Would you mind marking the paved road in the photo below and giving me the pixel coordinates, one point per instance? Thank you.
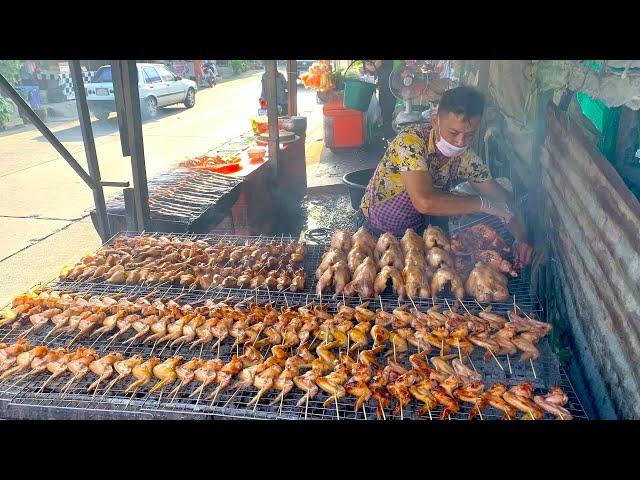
(43, 198)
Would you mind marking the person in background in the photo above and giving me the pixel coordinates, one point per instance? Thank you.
(281, 91)
(383, 69)
(425, 162)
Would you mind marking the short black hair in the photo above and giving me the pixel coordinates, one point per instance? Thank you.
(467, 101)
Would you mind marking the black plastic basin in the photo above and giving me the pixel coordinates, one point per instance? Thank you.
(357, 183)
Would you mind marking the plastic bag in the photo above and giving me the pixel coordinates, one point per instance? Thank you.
(374, 112)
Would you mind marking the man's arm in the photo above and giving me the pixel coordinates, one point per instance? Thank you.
(429, 200)
(494, 191)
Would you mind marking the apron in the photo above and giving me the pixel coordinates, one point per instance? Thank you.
(397, 214)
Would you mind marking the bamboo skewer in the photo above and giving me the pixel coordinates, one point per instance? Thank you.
(335, 397)
(532, 368)
(471, 361)
(479, 411)
(494, 357)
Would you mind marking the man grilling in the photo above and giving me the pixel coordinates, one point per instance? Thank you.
(425, 162)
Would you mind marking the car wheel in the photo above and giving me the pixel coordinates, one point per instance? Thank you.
(150, 107)
(101, 114)
(190, 99)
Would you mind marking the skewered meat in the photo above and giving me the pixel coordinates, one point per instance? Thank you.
(363, 279)
(435, 236)
(341, 240)
(143, 373)
(103, 368)
(465, 373)
(436, 257)
(392, 257)
(385, 274)
(412, 242)
(24, 360)
(363, 240)
(341, 277)
(333, 383)
(443, 276)
(166, 372)
(447, 401)
(9, 353)
(387, 240)
(330, 258)
(486, 284)
(529, 325)
(415, 259)
(520, 398)
(529, 350)
(416, 284)
(356, 256)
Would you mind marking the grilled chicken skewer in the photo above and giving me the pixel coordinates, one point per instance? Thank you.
(103, 368)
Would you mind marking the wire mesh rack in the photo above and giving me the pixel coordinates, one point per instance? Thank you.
(21, 396)
(310, 263)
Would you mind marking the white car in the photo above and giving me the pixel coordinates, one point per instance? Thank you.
(158, 87)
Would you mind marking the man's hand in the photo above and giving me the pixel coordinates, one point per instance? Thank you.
(496, 208)
(521, 254)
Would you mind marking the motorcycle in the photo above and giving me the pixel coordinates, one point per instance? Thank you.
(209, 75)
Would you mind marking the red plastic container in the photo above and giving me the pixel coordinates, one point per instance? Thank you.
(343, 127)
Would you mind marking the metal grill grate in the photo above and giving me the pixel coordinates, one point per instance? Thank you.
(236, 404)
(311, 261)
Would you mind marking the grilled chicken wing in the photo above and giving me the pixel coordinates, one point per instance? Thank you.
(143, 373)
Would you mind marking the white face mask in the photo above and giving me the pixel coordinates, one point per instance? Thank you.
(447, 149)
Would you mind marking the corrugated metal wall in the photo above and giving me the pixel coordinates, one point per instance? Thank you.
(593, 222)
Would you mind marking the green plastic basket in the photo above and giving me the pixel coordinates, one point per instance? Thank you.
(357, 94)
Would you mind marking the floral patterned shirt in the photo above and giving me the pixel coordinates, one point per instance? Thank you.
(414, 149)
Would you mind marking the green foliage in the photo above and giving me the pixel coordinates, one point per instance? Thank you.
(10, 69)
(238, 66)
(5, 110)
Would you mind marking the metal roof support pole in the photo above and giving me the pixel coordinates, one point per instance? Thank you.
(292, 77)
(90, 150)
(127, 75)
(272, 114)
(46, 133)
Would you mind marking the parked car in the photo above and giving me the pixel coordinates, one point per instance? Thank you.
(157, 86)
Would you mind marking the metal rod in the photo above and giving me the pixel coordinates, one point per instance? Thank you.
(90, 150)
(44, 130)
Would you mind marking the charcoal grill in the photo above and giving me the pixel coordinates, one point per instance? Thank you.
(21, 400)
